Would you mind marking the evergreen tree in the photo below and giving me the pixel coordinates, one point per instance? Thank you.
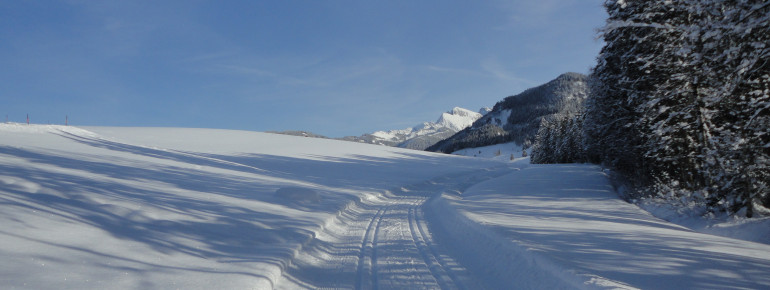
(681, 99)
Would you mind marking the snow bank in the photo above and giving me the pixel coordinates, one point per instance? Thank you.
(695, 217)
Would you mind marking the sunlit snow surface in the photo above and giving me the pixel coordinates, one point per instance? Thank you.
(566, 221)
(144, 208)
(177, 208)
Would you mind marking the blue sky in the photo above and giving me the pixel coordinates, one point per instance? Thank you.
(331, 67)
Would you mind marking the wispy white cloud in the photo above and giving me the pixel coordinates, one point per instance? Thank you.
(494, 68)
(324, 70)
(524, 13)
(347, 64)
(453, 70)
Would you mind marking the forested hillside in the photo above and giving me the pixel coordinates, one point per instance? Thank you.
(517, 118)
(680, 103)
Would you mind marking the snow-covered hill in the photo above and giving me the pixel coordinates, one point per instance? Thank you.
(160, 208)
(423, 135)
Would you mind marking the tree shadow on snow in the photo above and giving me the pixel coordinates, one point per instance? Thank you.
(175, 208)
(548, 211)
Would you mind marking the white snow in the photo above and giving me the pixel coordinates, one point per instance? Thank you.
(149, 208)
(564, 222)
(695, 217)
(501, 152)
(394, 135)
(177, 208)
(456, 120)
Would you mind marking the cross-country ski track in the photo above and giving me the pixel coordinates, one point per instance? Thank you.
(385, 243)
(167, 208)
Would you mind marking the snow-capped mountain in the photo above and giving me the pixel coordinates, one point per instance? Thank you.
(423, 135)
(517, 118)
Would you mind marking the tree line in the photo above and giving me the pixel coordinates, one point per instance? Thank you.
(679, 102)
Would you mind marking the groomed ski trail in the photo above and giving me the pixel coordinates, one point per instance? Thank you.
(395, 247)
(384, 242)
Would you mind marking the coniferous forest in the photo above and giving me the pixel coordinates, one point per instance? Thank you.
(679, 104)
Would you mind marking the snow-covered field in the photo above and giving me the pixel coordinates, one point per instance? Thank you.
(118, 208)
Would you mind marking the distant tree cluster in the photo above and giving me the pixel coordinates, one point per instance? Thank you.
(472, 137)
(559, 140)
(681, 101)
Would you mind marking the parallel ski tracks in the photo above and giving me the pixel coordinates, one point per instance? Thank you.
(385, 242)
(367, 258)
(438, 265)
(368, 272)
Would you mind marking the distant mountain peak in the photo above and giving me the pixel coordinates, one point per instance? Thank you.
(458, 118)
(422, 135)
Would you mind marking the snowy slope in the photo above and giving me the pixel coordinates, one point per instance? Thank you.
(178, 208)
(159, 208)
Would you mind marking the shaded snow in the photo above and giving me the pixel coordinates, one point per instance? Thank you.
(298, 194)
(695, 217)
(150, 208)
(177, 208)
(565, 222)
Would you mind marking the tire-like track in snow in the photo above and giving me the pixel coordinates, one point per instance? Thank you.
(367, 257)
(437, 264)
(383, 242)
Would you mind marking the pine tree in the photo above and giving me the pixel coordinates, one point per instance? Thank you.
(617, 86)
(681, 98)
